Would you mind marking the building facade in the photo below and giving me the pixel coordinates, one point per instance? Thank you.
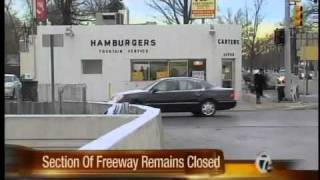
(110, 59)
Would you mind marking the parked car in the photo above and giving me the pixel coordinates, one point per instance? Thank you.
(181, 94)
(271, 80)
(12, 86)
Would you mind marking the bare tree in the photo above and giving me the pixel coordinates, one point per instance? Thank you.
(251, 27)
(68, 12)
(13, 29)
(172, 11)
(12, 19)
(250, 22)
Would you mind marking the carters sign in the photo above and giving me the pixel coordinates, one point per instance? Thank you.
(229, 41)
(115, 46)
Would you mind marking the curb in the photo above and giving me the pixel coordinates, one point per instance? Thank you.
(307, 107)
(283, 108)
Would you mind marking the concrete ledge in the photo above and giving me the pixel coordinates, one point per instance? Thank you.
(144, 132)
(140, 130)
(59, 131)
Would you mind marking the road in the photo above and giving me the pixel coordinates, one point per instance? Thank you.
(284, 135)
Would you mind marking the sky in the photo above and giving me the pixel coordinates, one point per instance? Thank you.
(273, 12)
(273, 9)
(140, 12)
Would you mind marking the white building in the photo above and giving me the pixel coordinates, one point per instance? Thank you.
(113, 58)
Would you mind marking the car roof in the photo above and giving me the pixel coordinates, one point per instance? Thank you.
(177, 78)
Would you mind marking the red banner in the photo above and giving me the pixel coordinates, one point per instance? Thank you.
(42, 12)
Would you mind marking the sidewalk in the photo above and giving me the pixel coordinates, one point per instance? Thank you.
(269, 102)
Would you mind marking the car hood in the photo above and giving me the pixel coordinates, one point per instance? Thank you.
(131, 92)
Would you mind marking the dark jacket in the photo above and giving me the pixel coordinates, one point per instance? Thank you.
(259, 81)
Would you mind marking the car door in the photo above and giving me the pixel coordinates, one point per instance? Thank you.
(190, 93)
(163, 95)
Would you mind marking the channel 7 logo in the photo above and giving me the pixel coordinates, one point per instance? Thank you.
(264, 163)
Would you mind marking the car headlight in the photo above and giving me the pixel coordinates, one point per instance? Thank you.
(117, 98)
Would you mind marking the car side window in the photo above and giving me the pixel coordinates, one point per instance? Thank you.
(183, 85)
(167, 85)
(192, 85)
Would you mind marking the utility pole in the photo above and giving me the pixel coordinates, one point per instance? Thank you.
(52, 67)
(287, 47)
(33, 33)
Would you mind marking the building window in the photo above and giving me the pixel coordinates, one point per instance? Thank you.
(148, 70)
(92, 66)
(159, 69)
(197, 69)
(140, 70)
(178, 68)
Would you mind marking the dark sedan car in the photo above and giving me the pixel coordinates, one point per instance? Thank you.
(181, 94)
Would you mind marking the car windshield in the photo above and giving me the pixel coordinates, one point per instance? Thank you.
(8, 78)
(149, 85)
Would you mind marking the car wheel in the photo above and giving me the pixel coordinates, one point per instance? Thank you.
(208, 108)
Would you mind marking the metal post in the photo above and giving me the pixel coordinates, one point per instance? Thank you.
(287, 48)
(307, 67)
(52, 67)
(185, 12)
(60, 101)
(294, 51)
(109, 91)
(33, 26)
(84, 99)
(306, 76)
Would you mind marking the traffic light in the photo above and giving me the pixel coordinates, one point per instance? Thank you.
(298, 20)
(279, 36)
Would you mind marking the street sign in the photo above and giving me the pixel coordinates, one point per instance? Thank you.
(58, 40)
(202, 9)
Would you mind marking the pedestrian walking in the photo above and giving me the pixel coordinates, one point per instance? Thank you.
(259, 82)
(280, 87)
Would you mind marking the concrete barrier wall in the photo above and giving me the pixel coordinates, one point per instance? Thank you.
(71, 92)
(149, 135)
(142, 129)
(27, 107)
(144, 132)
(59, 131)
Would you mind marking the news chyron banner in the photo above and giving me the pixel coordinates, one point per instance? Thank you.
(113, 163)
(26, 163)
